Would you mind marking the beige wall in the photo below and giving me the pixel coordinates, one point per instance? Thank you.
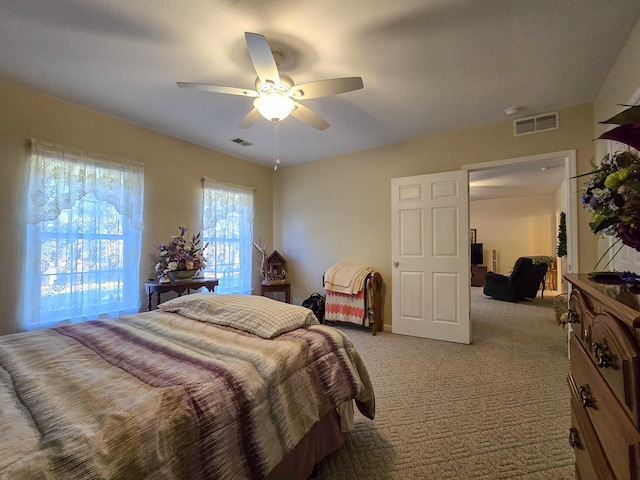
(323, 212)
(621, 86)
(173, 190)
(338, 209)
(622, 82)
(514, 227)
(350, 194)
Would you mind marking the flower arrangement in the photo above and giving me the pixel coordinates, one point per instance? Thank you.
(180, 254)
(612, 196)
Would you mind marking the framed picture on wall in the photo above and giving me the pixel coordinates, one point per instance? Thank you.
(472, 235)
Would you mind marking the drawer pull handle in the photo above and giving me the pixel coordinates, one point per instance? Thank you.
(602, 353)
(585, 396)
(573, 438)
(571, 317)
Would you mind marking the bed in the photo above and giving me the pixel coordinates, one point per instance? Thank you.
(208, 387)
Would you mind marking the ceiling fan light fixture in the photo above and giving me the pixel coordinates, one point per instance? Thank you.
(274, 106)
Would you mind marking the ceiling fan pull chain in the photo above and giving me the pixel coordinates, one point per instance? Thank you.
(276, 125)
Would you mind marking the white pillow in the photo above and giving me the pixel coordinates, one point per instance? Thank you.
(259, 315)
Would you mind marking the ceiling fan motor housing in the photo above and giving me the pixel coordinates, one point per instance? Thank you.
(286, 82)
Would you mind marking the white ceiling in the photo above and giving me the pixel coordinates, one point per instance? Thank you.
(543, 177)
(428, 65)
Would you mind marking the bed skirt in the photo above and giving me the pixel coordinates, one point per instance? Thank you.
(324, 438)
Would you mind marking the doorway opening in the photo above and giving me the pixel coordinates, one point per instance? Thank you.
(550, 174)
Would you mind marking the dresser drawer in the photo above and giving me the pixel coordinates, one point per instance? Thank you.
(605, 378)
(617, 356)
(616, 433)
(581, 318)
(591, 463)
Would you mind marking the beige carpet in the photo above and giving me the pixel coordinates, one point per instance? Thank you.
(495, 409)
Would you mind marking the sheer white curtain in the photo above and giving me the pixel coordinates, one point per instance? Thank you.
(84, 230)
(227, 226)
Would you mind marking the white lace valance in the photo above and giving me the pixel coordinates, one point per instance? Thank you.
(59, 176)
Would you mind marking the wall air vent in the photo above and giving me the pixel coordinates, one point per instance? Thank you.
(535, 124)
(242, 142)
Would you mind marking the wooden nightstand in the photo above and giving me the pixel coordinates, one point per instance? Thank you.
(276, 286)
(179, 287)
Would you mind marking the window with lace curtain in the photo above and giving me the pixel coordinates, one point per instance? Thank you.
(227, 226)
(84, 231)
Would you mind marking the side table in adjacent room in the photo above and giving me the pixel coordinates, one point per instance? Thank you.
(478, 273)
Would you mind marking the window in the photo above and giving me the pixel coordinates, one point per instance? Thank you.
(84, 230)
(227, 226)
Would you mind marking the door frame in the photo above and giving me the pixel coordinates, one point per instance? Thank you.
(569, 158)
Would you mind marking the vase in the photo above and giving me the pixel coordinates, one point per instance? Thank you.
(181, 275)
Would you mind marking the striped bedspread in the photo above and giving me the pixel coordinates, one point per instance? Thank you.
(157, 395)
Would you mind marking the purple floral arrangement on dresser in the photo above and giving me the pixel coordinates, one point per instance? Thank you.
(612, 193)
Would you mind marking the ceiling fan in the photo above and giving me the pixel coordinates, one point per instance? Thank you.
(276, 95)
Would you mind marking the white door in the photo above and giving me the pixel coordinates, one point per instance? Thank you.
(430, 253)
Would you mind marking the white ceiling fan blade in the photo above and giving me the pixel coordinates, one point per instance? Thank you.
(252, 117)
(326, 88)
(262, 58)
(245, 92)
(309, 117)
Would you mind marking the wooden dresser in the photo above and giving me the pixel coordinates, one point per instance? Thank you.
(604, 346)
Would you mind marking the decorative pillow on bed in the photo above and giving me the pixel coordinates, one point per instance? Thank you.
(259, 315)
